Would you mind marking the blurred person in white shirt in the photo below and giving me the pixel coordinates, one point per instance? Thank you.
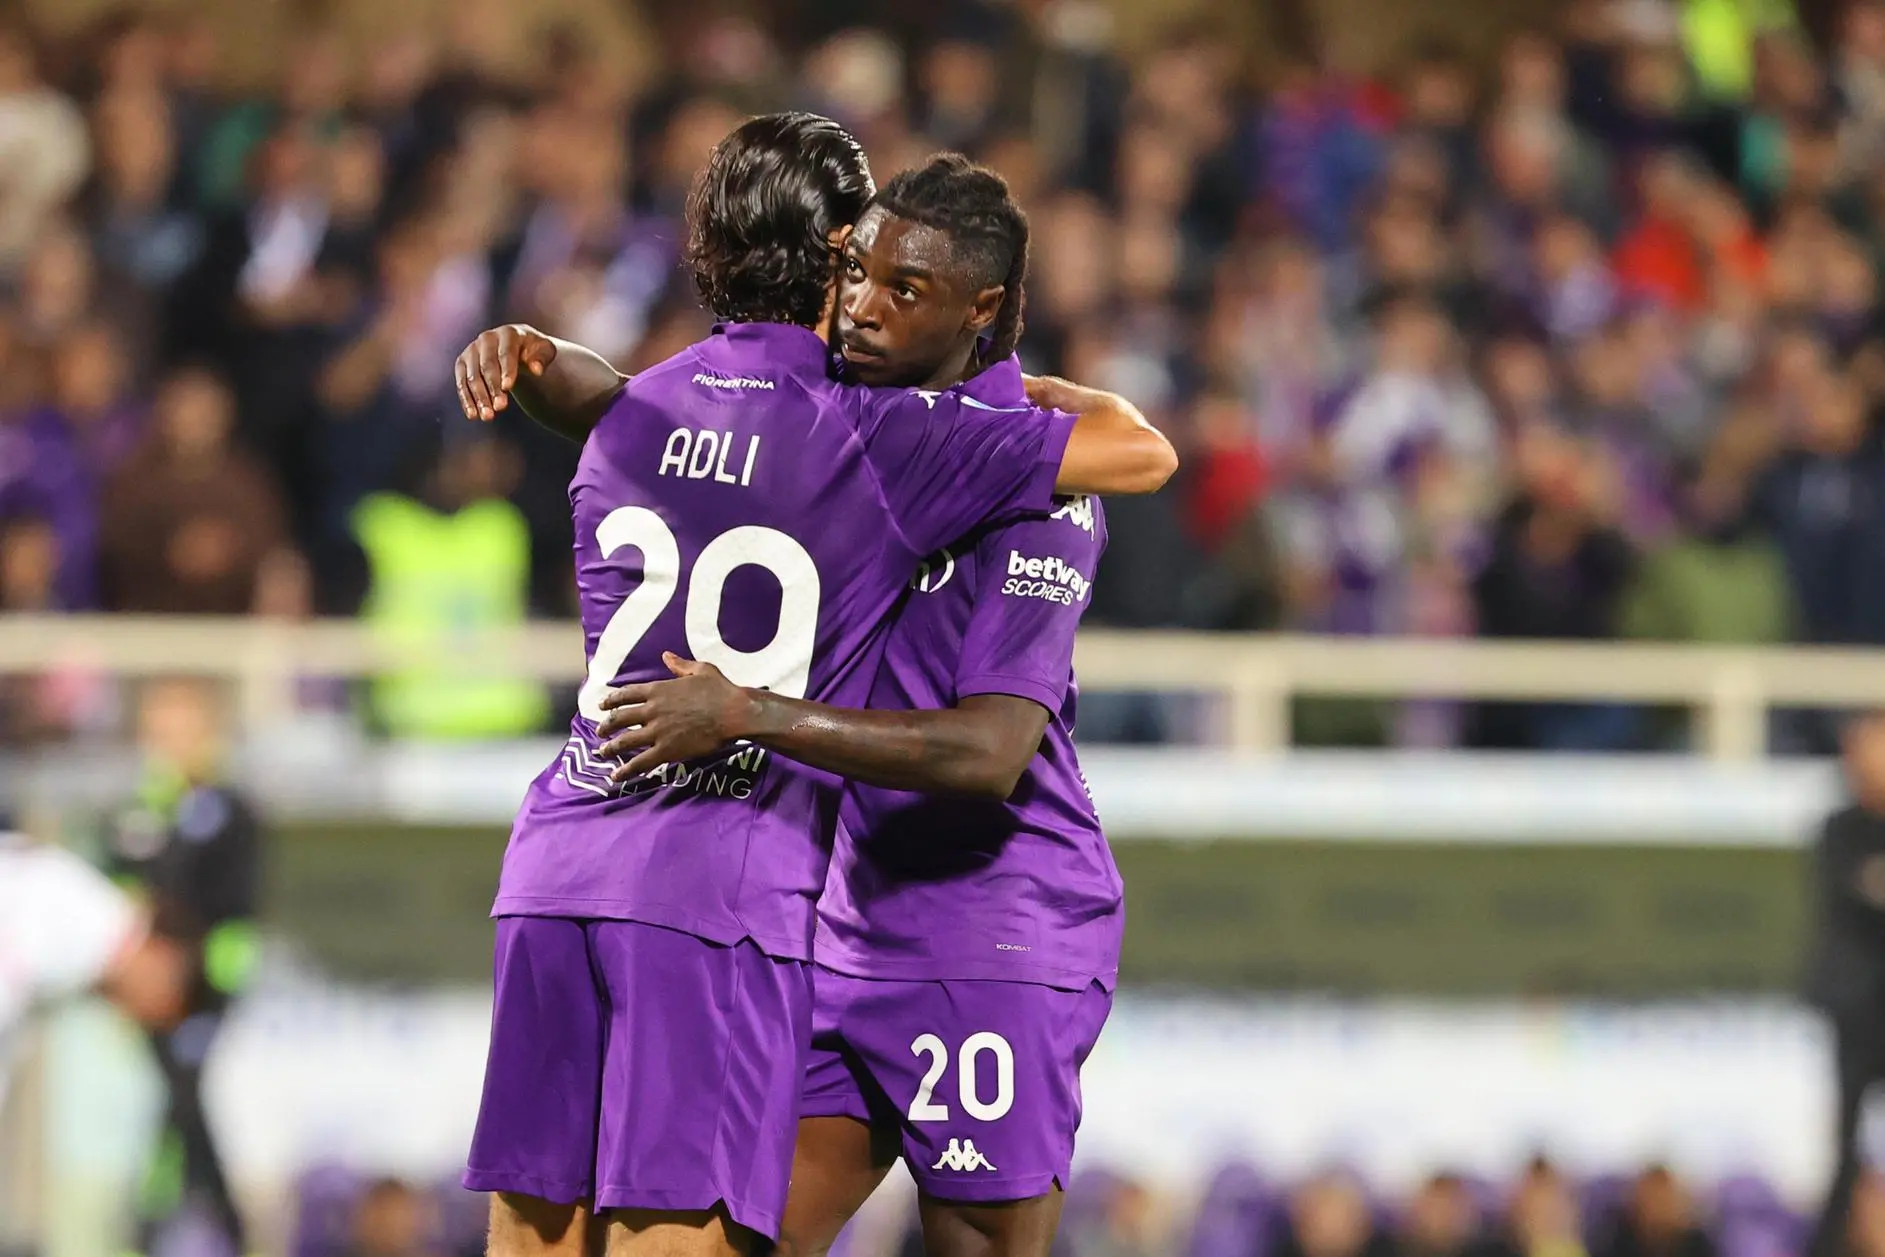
(65, 932)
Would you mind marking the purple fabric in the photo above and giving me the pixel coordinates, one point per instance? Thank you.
(325, 1199)
(1241, 1215)
(737, 489)
(44, 474)
(1021, 890)
(641, 1067)
(982, 1077)
(1601, 1199)
(1318, 160)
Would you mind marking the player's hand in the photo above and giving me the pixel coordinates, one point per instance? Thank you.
(669, 722)
(1051, 392)
(488, 368)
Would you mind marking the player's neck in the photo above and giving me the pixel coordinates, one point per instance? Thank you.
(957, 367)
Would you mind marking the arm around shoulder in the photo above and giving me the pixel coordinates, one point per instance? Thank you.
(1114, 449)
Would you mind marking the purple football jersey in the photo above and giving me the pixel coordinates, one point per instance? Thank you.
(737, 505)
(934, 888)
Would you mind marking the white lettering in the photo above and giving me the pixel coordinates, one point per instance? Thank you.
(705, 443)
(1052, 578)
(748, 759)
(735, 383)
(697, 455)
(734, 779)
(1016, 588)
(674, 454)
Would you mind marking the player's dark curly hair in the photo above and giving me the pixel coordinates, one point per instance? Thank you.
(760, 214)
(988, 232)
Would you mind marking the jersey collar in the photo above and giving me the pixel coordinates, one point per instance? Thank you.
(998, 384)
(780, 344)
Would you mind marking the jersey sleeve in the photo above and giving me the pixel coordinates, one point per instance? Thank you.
(1036, 580)
(948, 462)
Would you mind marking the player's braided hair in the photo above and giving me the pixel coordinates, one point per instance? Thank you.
(988, 232)
(761, 212)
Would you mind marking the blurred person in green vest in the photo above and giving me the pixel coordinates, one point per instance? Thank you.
(452, 561)
(1719, 35)
(190, 845)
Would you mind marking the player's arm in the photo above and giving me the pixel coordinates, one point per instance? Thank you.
(949, 464)
(558, 383)
(1015, 668)
(979, 747)
(1114, 448)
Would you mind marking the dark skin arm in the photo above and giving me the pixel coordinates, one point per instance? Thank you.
(559, 384)
(980, 747)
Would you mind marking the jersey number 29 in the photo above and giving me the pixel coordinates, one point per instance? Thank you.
(782, 665)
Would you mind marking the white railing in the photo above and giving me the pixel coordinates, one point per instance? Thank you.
(1729, 689)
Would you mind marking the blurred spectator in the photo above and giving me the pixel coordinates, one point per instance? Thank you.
(1658, 1221)
(313, 92)
(255, 300)
(1320, 151)
(393, 1219)
(43, 476)
(42, 135)
(1719, 579)
(190, 521)
(1821, 499)
(1865, 1234)
(1443, 1220)
(192, 846)
(1329, 1216)
(1558, 568)
(454, 559)
(382, 394)
(1543, 1217)
(139, 231)
(33, 707)
(29, 565)
(92, 400)
(1127, 1226)
(1846, 977)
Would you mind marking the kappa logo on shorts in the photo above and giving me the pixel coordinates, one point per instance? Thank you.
(962, 1154)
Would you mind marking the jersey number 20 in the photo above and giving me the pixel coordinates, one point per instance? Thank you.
(782, 665)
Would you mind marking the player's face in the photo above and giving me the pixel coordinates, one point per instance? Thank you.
(904, 317)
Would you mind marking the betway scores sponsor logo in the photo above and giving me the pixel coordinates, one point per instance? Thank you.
(1051, 578)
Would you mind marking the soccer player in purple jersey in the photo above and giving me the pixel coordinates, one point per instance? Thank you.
(735, 503)
(968, 937)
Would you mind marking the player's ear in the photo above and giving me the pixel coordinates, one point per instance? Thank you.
(984, 308)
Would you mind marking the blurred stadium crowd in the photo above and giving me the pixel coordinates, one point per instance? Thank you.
(1543, 1213)
(1581, 342)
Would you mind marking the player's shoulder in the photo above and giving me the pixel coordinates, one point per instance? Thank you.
(692, 375)
(656, 385)
(1075, 529)
(911, 408)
